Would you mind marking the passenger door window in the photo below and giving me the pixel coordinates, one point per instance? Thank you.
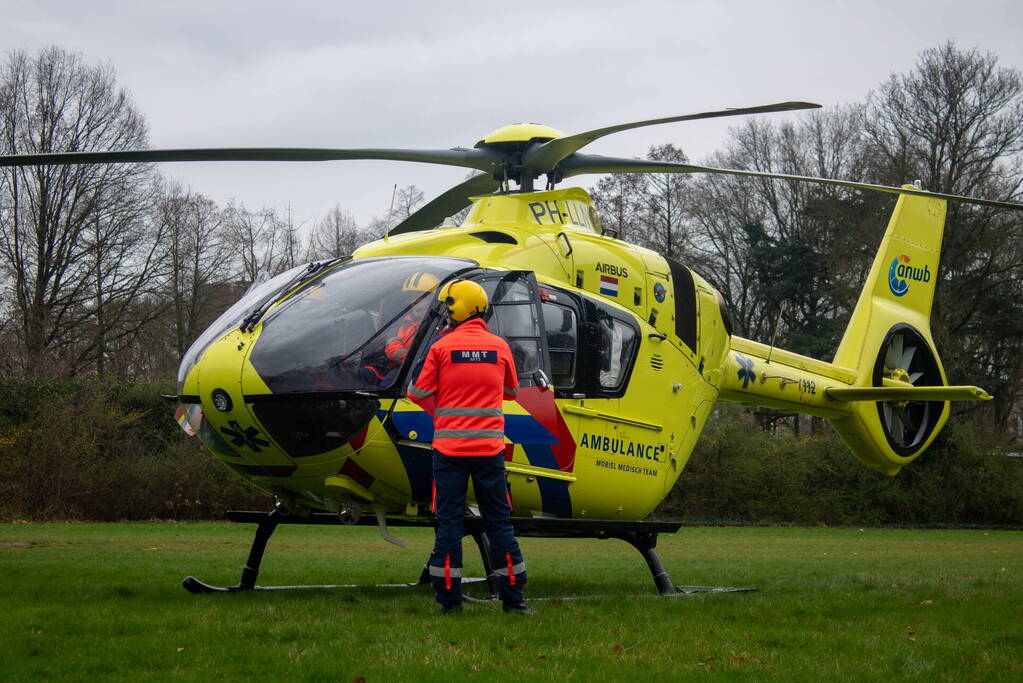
(562, 339)
(514, 314)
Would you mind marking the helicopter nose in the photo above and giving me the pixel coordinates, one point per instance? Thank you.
(305, 427)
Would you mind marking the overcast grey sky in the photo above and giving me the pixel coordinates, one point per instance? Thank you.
(443, 74)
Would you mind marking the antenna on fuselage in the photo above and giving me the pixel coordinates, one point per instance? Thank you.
(774, 333)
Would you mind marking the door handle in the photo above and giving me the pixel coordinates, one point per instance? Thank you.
(568, 244)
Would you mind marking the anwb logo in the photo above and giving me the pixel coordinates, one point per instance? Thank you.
(901, 272)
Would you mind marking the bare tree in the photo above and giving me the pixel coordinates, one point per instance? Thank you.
(769, 245)
(335, 235)
(253, 236)
(58, 224)
(199, 259)
(618, 199)
(290, 251)
(125, 251)
(663, 209)
(956, 123)
(406, 201)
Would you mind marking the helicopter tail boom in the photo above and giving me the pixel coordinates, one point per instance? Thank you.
(886, 392)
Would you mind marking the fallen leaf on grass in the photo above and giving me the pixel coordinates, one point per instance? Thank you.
(559, 602)
(618, 648)
(359, 679)
(927, 603)
(180, 649)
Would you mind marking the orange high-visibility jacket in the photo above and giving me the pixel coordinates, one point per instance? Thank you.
(468, 371)
(397, 346)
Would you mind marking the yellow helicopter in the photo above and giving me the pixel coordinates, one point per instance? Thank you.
(622, 353)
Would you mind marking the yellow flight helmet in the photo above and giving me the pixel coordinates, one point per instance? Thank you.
(464, 299)
(420, 281)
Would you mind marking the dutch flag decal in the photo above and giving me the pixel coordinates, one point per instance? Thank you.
(608, 285)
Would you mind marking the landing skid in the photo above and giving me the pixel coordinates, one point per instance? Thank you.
(640, 535)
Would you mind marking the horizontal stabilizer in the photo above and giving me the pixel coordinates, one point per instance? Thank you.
(939, 393)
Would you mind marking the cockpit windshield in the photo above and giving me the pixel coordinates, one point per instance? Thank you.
(351, 328)
(257, 293)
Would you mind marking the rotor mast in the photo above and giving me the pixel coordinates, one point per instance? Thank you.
(514, 143)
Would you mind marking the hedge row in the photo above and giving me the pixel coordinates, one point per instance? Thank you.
(107, 452)
(111, 451)
(740, 474)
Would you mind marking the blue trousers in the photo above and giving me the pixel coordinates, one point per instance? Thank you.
(451, 478)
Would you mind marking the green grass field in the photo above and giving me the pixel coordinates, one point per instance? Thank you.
(104, 602)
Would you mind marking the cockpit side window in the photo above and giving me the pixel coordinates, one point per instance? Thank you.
(617, 348)
(609, 345)
(561, 325)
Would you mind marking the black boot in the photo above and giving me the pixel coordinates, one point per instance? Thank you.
(520, 608)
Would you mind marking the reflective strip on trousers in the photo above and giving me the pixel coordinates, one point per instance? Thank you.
(469, 412)
(439, 571)
(514, 569)
(469, 434)
(419, 393)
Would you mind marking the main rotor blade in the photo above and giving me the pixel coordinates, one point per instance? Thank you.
(580, 164)
(480, 159)
(446, 204)
(546, 156)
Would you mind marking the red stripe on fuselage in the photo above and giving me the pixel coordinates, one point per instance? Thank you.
(353, 470)
(541, 406)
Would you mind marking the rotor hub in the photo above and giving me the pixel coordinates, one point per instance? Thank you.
(523, 133)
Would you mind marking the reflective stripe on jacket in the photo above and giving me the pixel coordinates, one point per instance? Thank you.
(469, 371)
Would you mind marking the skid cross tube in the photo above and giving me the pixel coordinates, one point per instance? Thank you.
(640, 535)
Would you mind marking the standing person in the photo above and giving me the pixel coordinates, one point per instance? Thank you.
(467, 372)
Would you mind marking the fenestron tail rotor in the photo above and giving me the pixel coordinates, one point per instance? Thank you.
(905, 359)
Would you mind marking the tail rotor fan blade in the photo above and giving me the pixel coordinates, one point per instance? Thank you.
(893, 357)
(907, 357)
